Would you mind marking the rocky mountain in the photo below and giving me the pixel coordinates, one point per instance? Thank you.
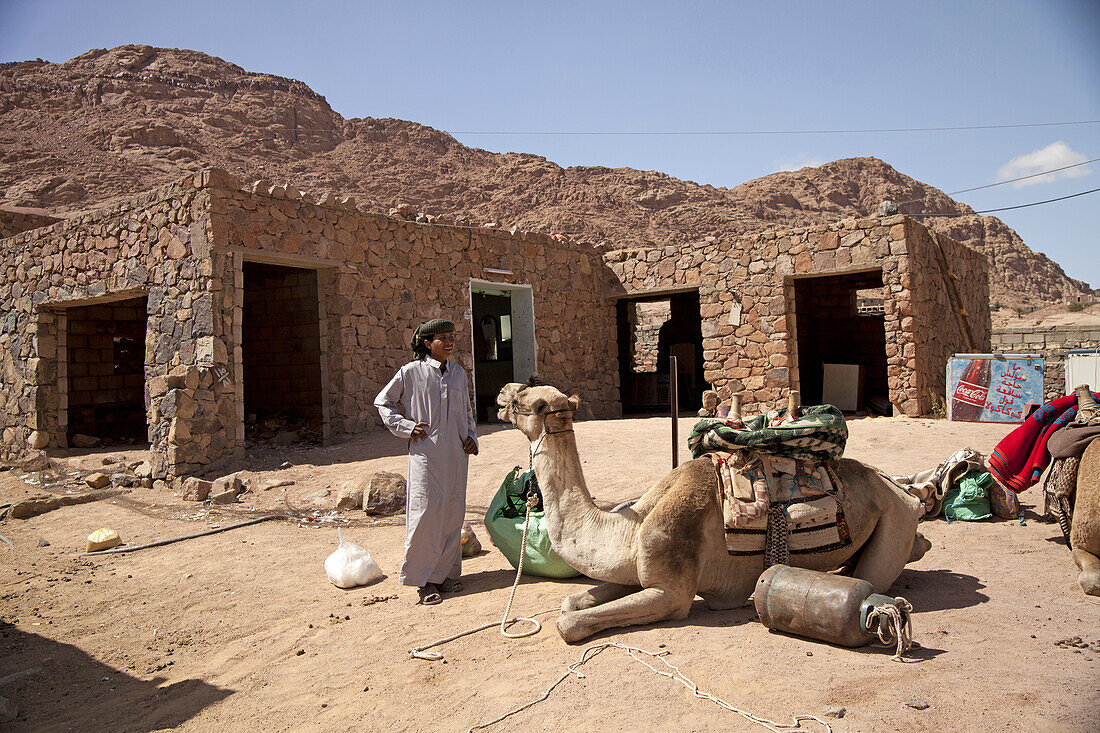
(109, 123)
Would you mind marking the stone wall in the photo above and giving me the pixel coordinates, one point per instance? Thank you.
(154, 246)
(648, 317)
(380, 275)
(184, 247)
(748, 309)
(14, 222)
(1052, 342)
(948, 292)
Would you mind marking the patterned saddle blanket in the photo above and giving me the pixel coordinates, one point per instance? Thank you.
(787, 504)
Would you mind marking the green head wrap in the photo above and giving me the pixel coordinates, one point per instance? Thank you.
(426, 330)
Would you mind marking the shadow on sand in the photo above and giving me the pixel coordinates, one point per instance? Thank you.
(58, 687)
(938, 590)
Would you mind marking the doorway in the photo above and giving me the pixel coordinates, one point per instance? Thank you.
(841, 336)
(281, 352)
(503, 324)
(651, 329)
(104, 382)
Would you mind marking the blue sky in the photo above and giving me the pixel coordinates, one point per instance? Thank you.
(614, 67)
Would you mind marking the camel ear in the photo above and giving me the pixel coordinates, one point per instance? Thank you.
(574, 403)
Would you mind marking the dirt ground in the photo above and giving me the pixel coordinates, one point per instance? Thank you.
(242, 630)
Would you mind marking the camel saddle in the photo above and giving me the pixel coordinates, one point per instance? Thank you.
(782, 505)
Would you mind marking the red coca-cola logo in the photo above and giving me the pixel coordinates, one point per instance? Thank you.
(971, 394)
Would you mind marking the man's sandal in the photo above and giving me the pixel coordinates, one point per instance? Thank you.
(451, 585)
(429, 594)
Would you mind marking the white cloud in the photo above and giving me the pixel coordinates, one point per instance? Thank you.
(798, 162)
(1055, 155)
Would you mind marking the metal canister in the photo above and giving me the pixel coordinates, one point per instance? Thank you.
(832, 608)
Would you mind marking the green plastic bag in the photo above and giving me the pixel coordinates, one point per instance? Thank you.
(504, 523)
(968, 499)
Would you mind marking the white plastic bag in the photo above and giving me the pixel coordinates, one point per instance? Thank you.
(350, 565)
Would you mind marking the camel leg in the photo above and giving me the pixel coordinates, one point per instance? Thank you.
(644, 607)
(596, 596)
(883, 557)
(921, 545)
(1089, 577)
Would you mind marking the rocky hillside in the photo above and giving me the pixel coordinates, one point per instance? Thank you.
(109, 123)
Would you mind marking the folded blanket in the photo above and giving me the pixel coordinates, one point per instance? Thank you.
(819, 434)
(1071, 441)
(1020, 458)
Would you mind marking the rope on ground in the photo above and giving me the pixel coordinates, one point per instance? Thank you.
(505, 622)
(159, 543)
(675, 674)
(899, 625)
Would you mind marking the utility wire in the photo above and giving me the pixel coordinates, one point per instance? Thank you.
(772, 132)
(1021, 178)
(1010, 180)
(1008, 208)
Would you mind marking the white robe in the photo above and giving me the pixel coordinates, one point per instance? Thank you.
(436, 499)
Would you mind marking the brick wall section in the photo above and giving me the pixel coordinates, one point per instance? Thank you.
(282, 347)
(758, 357)
(1052, 342)
(16, 222)
(105, 370)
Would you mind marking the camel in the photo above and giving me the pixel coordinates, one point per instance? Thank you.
(1084, 535)
(654, 557)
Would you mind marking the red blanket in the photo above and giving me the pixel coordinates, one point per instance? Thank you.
(1020, 458)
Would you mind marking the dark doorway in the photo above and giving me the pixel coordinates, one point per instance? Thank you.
(281, 345)
(650, 330)
(841, 334)
(105, 371)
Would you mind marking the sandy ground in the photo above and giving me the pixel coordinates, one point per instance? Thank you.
(242, 630)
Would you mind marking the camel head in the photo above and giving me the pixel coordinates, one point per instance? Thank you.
(534, 409)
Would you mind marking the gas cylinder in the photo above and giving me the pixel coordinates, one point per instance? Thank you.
(817, 605)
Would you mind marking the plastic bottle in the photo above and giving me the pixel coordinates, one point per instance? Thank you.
(817, 605)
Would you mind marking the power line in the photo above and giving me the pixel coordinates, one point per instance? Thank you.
(1023, 178)
(1010, 180)
(1008, 208)
(771, 132)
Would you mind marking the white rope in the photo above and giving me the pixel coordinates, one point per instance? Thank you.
(899, 625)
(675, 674)
(505, 622)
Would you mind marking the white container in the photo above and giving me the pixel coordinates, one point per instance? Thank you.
(1082, 367)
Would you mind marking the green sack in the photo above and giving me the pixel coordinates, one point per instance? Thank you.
(504, 523)
(968, 499)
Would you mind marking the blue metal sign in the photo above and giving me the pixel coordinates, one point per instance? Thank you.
(993, 387)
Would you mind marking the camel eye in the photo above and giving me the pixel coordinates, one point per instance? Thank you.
(539, 407)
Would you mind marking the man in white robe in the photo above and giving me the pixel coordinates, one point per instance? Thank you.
(428, 402)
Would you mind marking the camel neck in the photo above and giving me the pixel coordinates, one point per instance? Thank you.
(593, 541)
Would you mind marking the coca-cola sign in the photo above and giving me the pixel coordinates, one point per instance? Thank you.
(972, 394)
(993, 387)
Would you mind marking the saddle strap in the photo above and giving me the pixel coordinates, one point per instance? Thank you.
(777, 550)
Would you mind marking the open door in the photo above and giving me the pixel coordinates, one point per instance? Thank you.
(503, 324)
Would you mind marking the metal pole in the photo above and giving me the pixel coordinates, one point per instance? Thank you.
(674, 407)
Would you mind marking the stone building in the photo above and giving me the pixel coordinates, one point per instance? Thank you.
(884, 295)
(193, 312)
(197, 313)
